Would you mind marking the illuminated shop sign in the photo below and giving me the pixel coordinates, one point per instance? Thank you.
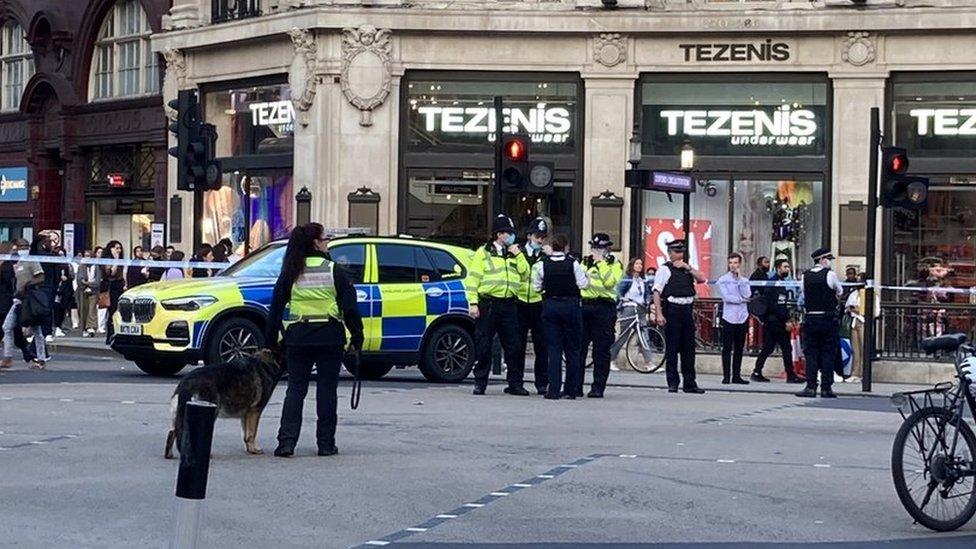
(545, 124)
(13, 184)
(279, 114)
(944, 121)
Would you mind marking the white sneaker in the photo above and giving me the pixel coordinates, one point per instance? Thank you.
(838, 378)
(853, 379)
(59, 332)
(49, 338)
(613, 367)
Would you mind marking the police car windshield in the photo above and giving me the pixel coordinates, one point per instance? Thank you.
(265, 262)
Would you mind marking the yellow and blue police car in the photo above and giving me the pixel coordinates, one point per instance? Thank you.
(410, 292)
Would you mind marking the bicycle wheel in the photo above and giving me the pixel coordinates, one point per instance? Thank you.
(931, 483)
(645, 350)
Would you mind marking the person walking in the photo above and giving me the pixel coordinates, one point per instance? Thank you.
(632, 295)
(599, 312)
(674, 298)
(559, 278)
(492, 284)
(113, 284)
(529, 309)
(321, 304)
(63, 293)
(777, 324)
(41, 246)
(735, 292)
(821, 332)
(29, 277)
(13, 335)
(89, 285)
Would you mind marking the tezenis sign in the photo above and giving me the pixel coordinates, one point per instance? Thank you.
(543, 123)
(761, 51)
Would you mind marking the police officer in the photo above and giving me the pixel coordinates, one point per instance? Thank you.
(492, 285)
(530, 307)
(674, 298)
(821, 332)
(560, 278)
(321, 304)
(599, 311)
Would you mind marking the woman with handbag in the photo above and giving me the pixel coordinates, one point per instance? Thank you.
(113, 284)
(30, 309)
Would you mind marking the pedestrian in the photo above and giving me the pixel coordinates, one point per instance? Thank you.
(136, 275)
(204, 255)
(529, 310)
(632, 294)
(13, 334)
(674, 299)
(321, 304)
(821, 332)
(155, 274)
(599, 312)
(560, 278)
(777, 323)
(63, 294)
(29, 276)
(174, 273)
(41, 247)
(762, 270)
(169, 253)
(854, 308)
(89, 286)
(219, 253)
(735, 292)
(232, 256)
(113, 284)
(75, 302)
(492, 286)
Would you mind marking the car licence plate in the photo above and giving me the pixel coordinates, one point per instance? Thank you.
(130, 329)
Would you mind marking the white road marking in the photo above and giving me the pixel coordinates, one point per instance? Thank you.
(70, 436)
(416, 529)
(569, 466)
(128, 402)
(6, 398)
(517, 485)
(545, 476)
(377, 542)
(499, 494)
(446, 516)
(630, 456)
(474, 505)
(38, 442)
(66, 399)
(725, 460)
(822, 465)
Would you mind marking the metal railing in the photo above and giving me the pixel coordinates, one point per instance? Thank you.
(232, 10)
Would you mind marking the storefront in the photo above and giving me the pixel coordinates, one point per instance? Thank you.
(13, 191)
(255, 123)
(933, 116)
(762, 149)
(447, 150)
(120, 194)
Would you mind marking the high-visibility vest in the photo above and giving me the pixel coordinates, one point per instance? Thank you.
(492, 275)
(314, 295)
(526, 293)
(604, 278)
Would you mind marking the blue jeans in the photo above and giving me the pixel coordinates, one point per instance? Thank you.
(563, 321)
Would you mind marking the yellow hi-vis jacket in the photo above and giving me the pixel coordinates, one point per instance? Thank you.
(313, 296)
(604, 278)
(493, 274)
(526, 293)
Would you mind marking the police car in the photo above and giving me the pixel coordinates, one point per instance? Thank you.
(410, 292)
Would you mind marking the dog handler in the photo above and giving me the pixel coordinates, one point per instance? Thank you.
(321, 304)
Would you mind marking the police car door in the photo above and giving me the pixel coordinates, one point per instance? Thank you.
(352, 257)
(400, 272)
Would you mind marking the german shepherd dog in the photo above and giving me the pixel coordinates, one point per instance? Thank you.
(240, 388)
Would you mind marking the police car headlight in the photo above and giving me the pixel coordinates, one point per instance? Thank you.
(188, 303)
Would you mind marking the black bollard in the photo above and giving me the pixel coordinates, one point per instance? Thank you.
(196, 438)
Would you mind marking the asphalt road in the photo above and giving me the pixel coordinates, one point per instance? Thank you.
(422, 465)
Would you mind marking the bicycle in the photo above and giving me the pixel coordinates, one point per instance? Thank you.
(935, 475)
(644, 345)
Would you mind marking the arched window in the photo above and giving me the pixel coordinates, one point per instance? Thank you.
(123, 65)
(18, 66)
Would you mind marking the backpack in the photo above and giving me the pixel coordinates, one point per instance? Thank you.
(35, 310)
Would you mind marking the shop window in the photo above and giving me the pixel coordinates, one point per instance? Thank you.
(935, 118)
(123, 64)
(403, 264)
(259, 207)
(352, 257)
(17, 62)
(137, 163)
(252, 119)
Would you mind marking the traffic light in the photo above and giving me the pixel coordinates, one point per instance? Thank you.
(196, 167)
(185, 106)
(515, 166)
(899, 190)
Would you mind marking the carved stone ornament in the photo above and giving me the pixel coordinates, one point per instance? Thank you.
(858, 49)
(175, 69)
(366, 74)
(610, 49)
(301, 76)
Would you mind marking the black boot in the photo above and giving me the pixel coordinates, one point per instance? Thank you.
(328, 450)
(479, 388)
(737, 380)
(284, 451)
(516, 390)
(759, 378)
(807, 392)
(827, 392)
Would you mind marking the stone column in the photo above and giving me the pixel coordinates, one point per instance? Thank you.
(608, 122)
(854, 95)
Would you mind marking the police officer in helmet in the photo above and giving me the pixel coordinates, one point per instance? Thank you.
(599, 311)
(492, 285)
(674, 298)
(821, 332)
(530, 307)
(321, 303)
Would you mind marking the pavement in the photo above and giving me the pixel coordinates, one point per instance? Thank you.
(424, 465)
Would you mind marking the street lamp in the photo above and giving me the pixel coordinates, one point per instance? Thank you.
(634, 149)
(687, 156)
(687, 165)
(303, 207)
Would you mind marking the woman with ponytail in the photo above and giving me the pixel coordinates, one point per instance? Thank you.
(321, 304)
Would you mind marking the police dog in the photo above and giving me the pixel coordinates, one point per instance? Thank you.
(240, 388)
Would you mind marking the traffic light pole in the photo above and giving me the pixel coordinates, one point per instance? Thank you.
(497, 180)
(869, 323)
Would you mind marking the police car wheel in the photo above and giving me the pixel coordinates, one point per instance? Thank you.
(448, 356)
(369, 370)
(233, 338)
(160, 368)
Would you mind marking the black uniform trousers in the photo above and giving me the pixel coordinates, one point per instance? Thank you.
(599, 321)
(775, 335)
(733, 342)
(679, 335)
(496, 316)
(300, 360)
(530, 318)
(563, 321)
(821, 338)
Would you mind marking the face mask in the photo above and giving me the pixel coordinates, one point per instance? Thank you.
(509, 239)
(532, 246)
(597, 252)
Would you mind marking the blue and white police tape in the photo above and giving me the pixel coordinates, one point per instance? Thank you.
(61, 260)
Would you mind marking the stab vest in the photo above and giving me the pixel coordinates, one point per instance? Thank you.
(681, 283)
(558, 278)
(817, 295)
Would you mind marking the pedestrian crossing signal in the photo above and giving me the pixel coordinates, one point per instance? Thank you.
(899, 190)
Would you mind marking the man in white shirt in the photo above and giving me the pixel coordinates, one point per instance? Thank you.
(735, 292)
(821, 332)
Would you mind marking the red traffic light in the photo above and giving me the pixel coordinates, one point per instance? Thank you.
(515, 149)
(899, 164)
(895, 160)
